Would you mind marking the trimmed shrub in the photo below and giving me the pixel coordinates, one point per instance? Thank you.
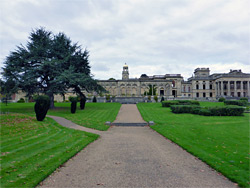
(212, 111)
(162, 98)
(179, 102)
(82, 103)
(94, 99)
(226, 111)
(108, 98)
(181, 108)
(73, 105)
(244, 99)
(204, 112)
(41, 107)
(21, 100)
(169, 103)
(222, 99)
(236, 102)
(149, 98)
(156, 98)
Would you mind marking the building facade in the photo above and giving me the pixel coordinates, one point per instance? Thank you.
(202, 85)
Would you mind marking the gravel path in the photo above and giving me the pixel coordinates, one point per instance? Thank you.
(134, 157)
(129, 114)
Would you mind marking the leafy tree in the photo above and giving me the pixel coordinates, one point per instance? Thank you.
(50, 64)
(150, 91)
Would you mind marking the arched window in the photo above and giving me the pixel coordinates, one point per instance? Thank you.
(173, 83)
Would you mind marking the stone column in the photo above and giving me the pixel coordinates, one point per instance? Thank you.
(152, 90)
(228, 88)
(241, 89)
(222, 88)
(248, 88)
(235, 91)
(216, 89)
(165, 91)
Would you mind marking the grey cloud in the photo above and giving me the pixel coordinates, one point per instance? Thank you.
(153, 37)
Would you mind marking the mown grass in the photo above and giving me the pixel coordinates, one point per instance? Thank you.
(31, 150)
(93, 116)
(222, 142)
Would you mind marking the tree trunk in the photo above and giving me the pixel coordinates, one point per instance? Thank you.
(82, 98)
(51, 97)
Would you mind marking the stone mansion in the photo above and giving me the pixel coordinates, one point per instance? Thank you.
(202, 85)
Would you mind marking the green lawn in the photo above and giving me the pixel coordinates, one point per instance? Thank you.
(94, 116)
(222, 142)
(31, 150)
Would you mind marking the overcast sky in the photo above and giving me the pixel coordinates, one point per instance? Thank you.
(152, 36)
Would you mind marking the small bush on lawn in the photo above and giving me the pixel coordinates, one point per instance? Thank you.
(42, 107)
(156, 98)
(73, 101)
(108, 98)
(222, 99)
(162, 98)
(94, 99)
(21, 101)
(82, 102)
(236, 102)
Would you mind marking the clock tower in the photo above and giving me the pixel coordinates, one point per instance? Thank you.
(125, 74)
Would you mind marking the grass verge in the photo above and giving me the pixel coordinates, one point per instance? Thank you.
(93, 116)
(31, 150)
(222, 142)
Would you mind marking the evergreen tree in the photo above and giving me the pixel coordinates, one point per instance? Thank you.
(50, 64)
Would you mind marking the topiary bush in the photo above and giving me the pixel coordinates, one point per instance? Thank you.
(222, 99)
(21, 100)
(108, 98)
(94, 99)
(162, 98)
(156, 98)
(82, 102)
(73, 105)
(41, 107)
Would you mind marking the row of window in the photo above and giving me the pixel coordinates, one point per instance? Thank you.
(204, 86)
(204, 95)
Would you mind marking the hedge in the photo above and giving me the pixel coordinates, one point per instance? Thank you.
(211, 111)
(169, 103)
(236, 102)
(179, 102)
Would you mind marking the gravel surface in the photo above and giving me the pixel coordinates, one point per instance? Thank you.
(129, 114)
(135, 157)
